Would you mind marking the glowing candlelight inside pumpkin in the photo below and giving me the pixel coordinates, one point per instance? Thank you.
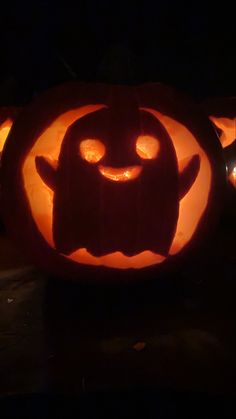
(4, 131)
(232, 177)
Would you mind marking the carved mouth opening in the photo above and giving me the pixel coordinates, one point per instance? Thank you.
(118, 259)
(120, 174)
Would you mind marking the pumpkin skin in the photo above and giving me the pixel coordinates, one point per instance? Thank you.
(222, 113)
(7, 117)
(141, 197)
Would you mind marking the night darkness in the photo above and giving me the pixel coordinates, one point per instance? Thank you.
(150, 349)
(191, 47)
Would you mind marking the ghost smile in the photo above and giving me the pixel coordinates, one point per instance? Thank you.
(120, 174)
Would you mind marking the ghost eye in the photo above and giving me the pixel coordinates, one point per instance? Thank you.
(147, 147)
(92, 150)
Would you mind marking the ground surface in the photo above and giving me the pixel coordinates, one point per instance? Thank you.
(175, 334)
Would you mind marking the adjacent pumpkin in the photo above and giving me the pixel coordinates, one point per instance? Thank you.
(7, 117)
(101, 178)
(222, 113)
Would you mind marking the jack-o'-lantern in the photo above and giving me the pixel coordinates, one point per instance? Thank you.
(7, 117)
(101, 178)
(222, 113)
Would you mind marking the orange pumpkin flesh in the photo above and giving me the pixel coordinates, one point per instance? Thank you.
(232, 177)
(7, 117)
(41, 159)
(227, 126)
(227, 137)
(5, 128)
(121, 174)
(222, 113)
(116, 259)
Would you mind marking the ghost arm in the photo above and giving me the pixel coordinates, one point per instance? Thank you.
(46, 171)
(188, 175)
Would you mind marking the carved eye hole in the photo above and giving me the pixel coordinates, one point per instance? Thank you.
(92, 150)
(147, 147)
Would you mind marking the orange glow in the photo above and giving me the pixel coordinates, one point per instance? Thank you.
(48, 144)
(40, 197)
(232, 177)
(4, 131)
(117, 259)
(228, 128)
(120, 174)
(147, 147)
(194, 203)
(183, 163)
(92, 150)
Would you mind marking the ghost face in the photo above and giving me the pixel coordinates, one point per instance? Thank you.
(116, 185)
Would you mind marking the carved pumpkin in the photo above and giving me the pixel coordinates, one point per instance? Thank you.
(110, 177)
(7, 116)
(222, 113)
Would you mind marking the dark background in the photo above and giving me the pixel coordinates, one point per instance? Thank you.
(190, 45)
